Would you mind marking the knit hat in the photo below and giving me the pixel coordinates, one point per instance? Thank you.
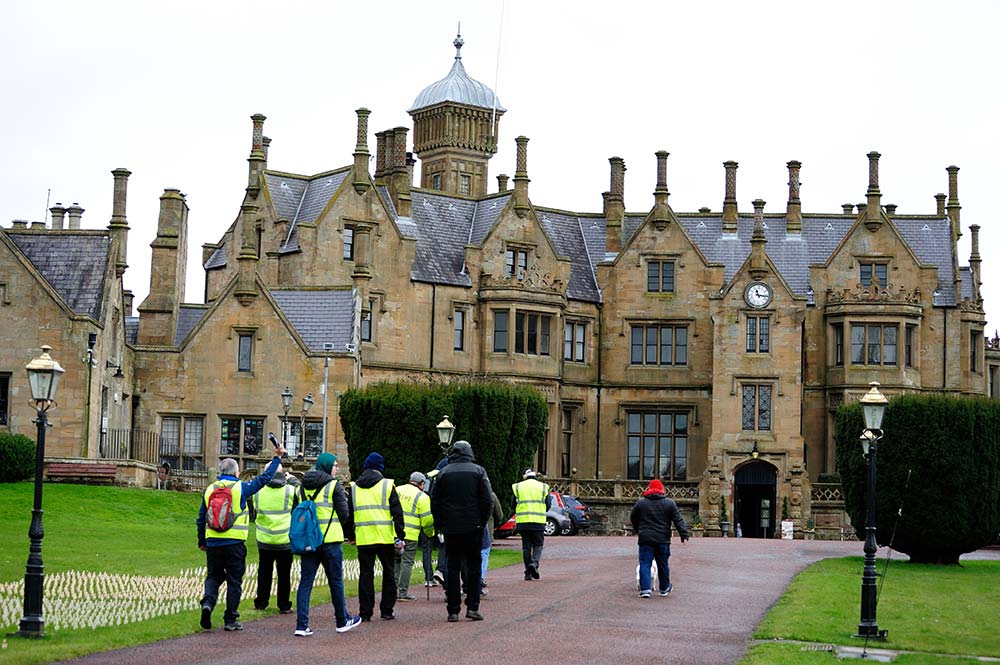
(325, 462)
(655, 487)
(529, 473)
(374, 461)
(416, 478)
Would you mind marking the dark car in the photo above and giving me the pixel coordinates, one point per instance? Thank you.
(556, 520)
(579, 515)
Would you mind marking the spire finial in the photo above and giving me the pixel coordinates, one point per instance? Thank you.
(459, 43)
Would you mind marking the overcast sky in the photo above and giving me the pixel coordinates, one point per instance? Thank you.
(167, 89)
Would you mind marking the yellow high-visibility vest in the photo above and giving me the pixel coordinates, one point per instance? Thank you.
(326, 514)
(530, 495)
(372, 519)
(274, 514)
(416, 511)
(241, 527)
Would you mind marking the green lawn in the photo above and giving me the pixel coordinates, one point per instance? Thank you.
(129, 532)
(928, 609)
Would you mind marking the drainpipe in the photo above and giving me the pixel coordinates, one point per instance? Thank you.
(600, 380)
(91, 342)
(326, 378)
(433, 311)
(944, 352)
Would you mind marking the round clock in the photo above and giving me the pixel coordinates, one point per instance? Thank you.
(757, 295)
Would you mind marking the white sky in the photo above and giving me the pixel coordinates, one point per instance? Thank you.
(167, 89)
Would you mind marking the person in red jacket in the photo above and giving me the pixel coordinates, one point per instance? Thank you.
(651, 518)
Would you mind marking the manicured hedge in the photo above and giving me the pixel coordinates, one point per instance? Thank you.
(505, 423)
(951, 504)
(17, 457)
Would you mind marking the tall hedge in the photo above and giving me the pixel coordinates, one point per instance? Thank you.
(505, 423)
(17, 457)
(952, 503)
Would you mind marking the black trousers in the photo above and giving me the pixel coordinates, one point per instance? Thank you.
(386, 555)
(268, 560)
(531, 549)
(225, 564)
(463, 548)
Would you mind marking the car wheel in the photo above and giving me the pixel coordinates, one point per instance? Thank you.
(551, 528)
(569, 531)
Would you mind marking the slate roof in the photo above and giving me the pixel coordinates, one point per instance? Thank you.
(188, 317)
(319, 316)
(74, 264)
(131, 329)
(566, 233)
(218, 258)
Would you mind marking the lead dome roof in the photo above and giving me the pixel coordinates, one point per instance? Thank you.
(457, 87)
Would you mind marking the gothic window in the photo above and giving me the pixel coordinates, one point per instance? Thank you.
(756, 406)
(659, 344)
(657, 445)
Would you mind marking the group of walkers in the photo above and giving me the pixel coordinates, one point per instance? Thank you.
(388, 524)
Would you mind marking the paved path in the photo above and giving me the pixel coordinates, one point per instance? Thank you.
(584, 610)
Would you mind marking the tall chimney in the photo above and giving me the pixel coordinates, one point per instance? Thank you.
(75, 213)
(380, 156)
(730, 212)
(257, 159)
(361, 156)
(873, 209)
(521, 205)
(614, 206)
(502, 182)
(793, 214)
(399, 176)
(661, 195)
(127, 299)
(118, 227)
(58, 214)
(940, 198)
(266, 142)
(158, 312)
(246, 279)
(976, 262)
(953, 207)
(758, 262)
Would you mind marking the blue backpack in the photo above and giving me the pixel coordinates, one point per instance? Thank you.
(304, 534)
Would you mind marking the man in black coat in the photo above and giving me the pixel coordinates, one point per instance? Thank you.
(651, 519)
(461, 502)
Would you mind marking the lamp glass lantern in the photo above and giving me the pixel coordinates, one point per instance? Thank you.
(43, 376)
(307, 403)
(445, 430)
(286, 399)
(873, 404)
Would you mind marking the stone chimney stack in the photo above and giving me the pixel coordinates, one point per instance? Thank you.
(19, 224)
(257, 159)
(246, 279)
(380, 157)
(940, 198)
(266, 142)
(976, 262)
(521, 205)
(953, 207)
(848, 208)
(58, 215)
(502, 182)
(758, 262)
(730, 211)
(661, 195)
(127, 299)
(873, 208)
(614, 206)
(399, 178)
(890, 209)
(75, 213)
(361, 155)
(38, 226)
(158, 312)
(793, 214)
(118, 227)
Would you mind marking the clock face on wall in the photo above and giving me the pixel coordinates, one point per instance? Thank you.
(757, 295)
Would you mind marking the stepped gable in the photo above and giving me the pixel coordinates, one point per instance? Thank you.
(74, 264)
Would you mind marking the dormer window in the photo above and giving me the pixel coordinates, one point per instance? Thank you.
(517, 262)
(871, 271)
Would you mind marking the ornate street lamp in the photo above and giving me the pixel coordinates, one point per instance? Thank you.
(873, 405)
(43, 376)
(286, 404)
(307, 402)
(446, 431)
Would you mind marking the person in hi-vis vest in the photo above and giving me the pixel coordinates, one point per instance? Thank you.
(226, 551)
(533, 501)
(418, 521)
(379, 532)
(272, 516)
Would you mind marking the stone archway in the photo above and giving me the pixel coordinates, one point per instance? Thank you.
(755, 500)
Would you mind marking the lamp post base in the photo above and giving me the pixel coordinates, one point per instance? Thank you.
(871, 632)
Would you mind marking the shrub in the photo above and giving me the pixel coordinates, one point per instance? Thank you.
(505, 424)
(828, 478)
(940, 462)
(17, 457)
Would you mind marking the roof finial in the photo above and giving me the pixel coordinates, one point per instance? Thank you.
(459, 43)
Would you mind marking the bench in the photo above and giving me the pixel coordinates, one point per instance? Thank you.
(81, 472)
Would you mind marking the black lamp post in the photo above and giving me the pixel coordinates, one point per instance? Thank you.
(43, 376)
(446, 430)
(286, 404)
(873, 404)
(307, 402)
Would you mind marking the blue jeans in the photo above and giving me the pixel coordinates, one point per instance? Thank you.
(485, 553)
(332, 557)
(660, 552)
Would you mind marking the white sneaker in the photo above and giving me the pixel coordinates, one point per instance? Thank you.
(351, 623)
(304, 632)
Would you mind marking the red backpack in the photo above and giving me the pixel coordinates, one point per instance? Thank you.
(219, 508)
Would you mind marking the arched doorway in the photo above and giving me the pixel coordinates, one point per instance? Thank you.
(756, 496)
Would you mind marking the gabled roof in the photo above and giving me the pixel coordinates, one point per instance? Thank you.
(319, 317)
(188, 317)
(74, 264)
(300, 199)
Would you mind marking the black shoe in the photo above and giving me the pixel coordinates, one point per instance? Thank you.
(452, 618)
(388, 617)
(528, 577)
(534, 573)
(206, 617)
(474, 615)
(258, 606)
(288, 610)
(366, 618)
(236, 625)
